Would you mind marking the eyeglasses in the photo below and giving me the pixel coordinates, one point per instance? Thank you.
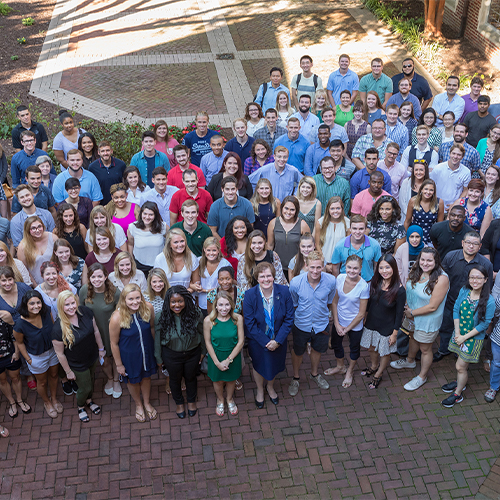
(472, 243)
(27, 141)
(392, 153)
(476, 278)
(407, 65)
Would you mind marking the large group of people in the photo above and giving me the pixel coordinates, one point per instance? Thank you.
(368, 210)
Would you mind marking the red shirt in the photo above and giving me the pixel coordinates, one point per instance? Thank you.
(174, 177)
(203, 199)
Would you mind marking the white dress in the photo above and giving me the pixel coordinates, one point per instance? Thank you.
(334, 233)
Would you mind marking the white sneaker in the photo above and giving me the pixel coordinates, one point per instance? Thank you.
(415, 383)
(402, 363)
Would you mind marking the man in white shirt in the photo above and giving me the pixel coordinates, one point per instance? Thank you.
(161, 194)
(397, 171)
(308, 121)
(449, 101)
(421, 151)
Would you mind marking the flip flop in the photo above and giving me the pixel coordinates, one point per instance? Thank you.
(4, 432)
(13, 410)
(152, 415)
(25, 407)
(140, 417)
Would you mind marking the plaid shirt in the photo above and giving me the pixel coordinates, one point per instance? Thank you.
(365, 142)
(471, 160)
(398, 134)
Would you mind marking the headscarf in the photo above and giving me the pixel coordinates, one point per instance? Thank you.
(414, 251)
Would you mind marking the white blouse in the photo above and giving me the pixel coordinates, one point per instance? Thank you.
(209, 281)
(183, 277)
(334, 233)
(147, 246)
(138, 279)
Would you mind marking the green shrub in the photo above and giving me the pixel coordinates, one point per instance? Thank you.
(14, 58)
(5, 10)
(21, 40)
(28, 21)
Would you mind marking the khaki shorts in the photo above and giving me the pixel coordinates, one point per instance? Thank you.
(425, 337)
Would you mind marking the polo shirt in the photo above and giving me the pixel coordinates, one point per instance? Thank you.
(20, 162)
(369, 252)
(363, 202)
(359, 181)
(36, 128)
(283, 184)
(268, 100)
(162, 201)
(338, 187)
(445, 240)
(195, 241)
(107, 176)
(311, 304)
(140, 161)
(441, 104)
(211, 164)
(469, 107)
(478, 127)
(90, 186)
(264, 134)
(220, 213)
(398, 99)
(242, 150)
(17, 224)
(203, 199)
(450, 183)
(174, 177)
(199, 146)
(308, 126)
(382, 85)
(43, 199)
(398, 174)
(420, 87)
(296, 149)
(337, 83)
(314, 154)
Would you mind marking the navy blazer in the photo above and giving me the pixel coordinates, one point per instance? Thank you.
(255, 320)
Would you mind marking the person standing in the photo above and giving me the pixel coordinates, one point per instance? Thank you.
(405, 95)
(340, 80)
(211, 163)
(377, 81)
(472, 99)
(397, 172)
(241, 143)
(271, 130)
(420, 87)
(198, 140)
(26, 123)
(480, 121)
(268, 92)
(149, 159)
(295, 143)
(449, 100)
(305, 83)
(308, 121)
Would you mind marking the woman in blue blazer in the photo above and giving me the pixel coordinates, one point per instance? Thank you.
(268, 314)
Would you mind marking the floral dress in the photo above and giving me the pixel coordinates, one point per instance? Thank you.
(425, 220)
(240, 295)
(475, 218)
(386, 234)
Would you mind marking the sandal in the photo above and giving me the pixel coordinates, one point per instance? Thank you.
(51, 411)
(95, 409)
(4, 432)
(233, 409)
(374, 383)
(82, 415)
(238, 385)
(58, 407)
(152, 415)
(368, 372)
(25, 407)
(13, 410)
(219, 409)
(140, 417)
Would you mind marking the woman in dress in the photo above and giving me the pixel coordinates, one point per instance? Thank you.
(407, 116)
(234, 242)
(331, 228)
(343, 111)
(179, 346)
(70, 265)
(81, 204)
(78, 345)
(384, 317)
(125, 272)
(255, 253)
(132, 332)
(411, 185)
(489, 149)
(88, 146)
(298, 264)
(67, 138)
(429, 118)
(472, 315)
(36, 246)
(157, 288)
(356, 127)
(102, 297)
(383, 224)
(178, 262)
(146, 237)
(283, 233)
(373, 107)
(426, 291)
(99, 217)
(448, 127)
(227, 283)
(224, 337)
(123, 212)
(478, 214)
(210, 261)
(320, 103)
(349, 309)
(254, 117)
(104, 251)
(407, 253)
(33, 334)
(231, 166)
(164, 141)
(68, 227)
(492, 189)
(268, 316)
(284, 108)
(266, 207)
(310, 206)
(260, 155)
(20, 272)
(134, 184)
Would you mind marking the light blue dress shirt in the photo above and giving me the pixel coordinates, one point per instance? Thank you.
(284, 183)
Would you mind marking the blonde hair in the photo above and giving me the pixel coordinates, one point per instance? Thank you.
(255, 200)
(123, 310)
(9, 261)
(92, 227)
(327, 219)
(213, 315)
(307, 180)
(159, 273)
(210, 241)
(315, 109)
(289, 106)
(68, 337)
(30, 250)
(169, 253)
(133, 268)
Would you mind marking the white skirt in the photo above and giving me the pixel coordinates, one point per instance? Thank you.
(373, 338)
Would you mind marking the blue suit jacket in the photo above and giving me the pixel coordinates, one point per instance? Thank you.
(255, 320)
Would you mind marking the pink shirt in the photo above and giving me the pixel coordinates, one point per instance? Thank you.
(363, 202)
(168, 149)
(127, 220)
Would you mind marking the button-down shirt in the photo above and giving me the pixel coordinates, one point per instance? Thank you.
(420, 87)
(398, 174)
(441, 104)
(359, 181)
(296, 149)
(270, 97)
(308, 126)
(450, 183)
(338, 187)
(365, 142)
(264, 134)
(382, 85)
(139, 161)
(211, 164)
(314, 154)
(242, 150)
(20, 162)
(398, 99)
(284, 183)
(336, 132)
(405, 157)
(251, 166)
(337, 83)
(43, 199)
(17, 223)
(311, 304)
(471, 159)
(88, 181)
(162, 201)
(220, 213)
(399, 134)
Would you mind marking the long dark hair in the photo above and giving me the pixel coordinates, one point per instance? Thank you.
(231, 243)
(22, 309)
(432, 111)
(141, 186)
(157, 221)
(374, 214)
(239, 174)
(189, 316)
(60, 226)
(377, 280)
(485, 292)
(416, 271)
(95, 153)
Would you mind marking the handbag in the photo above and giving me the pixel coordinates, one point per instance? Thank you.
(9, 193)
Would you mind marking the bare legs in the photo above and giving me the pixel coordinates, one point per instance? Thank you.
(297, 361)
(135, 390)
(426, 359)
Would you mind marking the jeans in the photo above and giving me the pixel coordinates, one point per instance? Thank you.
(182, 364)
(85, 382)
(495, 367)
(354, 343)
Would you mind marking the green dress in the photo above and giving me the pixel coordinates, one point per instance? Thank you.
(224, 337)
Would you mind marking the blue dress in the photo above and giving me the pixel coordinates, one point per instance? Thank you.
(265, 216)
(137, 350)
